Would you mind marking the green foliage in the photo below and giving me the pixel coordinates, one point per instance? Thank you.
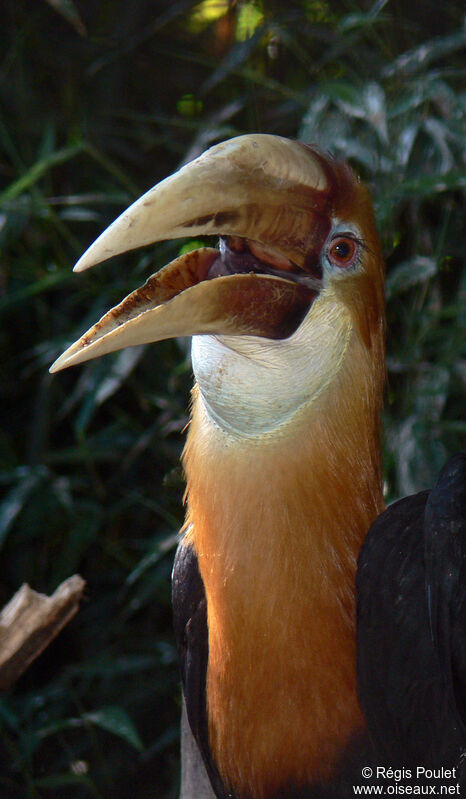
(100, 101)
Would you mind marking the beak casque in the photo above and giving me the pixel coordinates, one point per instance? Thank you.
(258, 187)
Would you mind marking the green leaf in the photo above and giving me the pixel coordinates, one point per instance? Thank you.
(68, 10)
(123, 365)
(233, 61)
(113, 719)
(408, 274)
(439, 133)
(431, 392)
(15, 500)
(116, 720)
(366, 102)
(160, 549)
(425, 186)
(363, 19)
(121, 667)
(36, 287)
(420, 90)
(67, 780)
(39, 169)
(8, 717)
(420, 57)
(84, 527)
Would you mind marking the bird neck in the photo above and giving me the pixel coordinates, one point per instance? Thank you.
(277, 523)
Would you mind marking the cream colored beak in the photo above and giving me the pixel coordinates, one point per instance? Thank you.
(258, 187)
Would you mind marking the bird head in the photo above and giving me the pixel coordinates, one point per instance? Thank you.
(294, 287)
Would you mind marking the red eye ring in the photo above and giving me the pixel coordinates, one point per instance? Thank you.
(343, 251)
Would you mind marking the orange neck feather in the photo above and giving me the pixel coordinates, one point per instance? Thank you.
(277, 523)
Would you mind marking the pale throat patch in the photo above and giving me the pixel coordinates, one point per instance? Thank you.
(250, 386)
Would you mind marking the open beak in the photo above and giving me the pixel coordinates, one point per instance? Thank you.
(268, 199)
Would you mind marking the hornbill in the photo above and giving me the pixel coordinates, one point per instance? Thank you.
(283, 470)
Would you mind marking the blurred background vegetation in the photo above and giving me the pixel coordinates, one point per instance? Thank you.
(100, 99)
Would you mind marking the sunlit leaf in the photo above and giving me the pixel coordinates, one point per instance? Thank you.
(188, 106)
(250, 17)
(207, 12)
(194, 244)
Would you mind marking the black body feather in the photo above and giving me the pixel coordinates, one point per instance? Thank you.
(411, 591)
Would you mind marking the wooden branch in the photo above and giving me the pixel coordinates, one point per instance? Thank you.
(30, 621)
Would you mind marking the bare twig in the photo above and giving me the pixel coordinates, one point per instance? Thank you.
(30, 621)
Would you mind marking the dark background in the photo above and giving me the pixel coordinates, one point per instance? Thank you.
(101, 99)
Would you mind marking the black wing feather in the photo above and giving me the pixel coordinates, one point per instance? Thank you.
(412, 625)
(445, 557)
(190, 623)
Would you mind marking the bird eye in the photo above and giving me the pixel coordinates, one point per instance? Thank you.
(343, 251)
